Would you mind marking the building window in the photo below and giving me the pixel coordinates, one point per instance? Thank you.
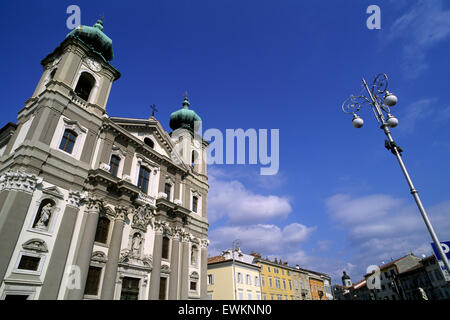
(249, 295)
(248, 279)
(101, 235)
(277, 283)
(194, 203)
(93, 281)
(256, 281)
(290, 285)
(210, 279)
(149, 142)
(165, 247)
(193, 286)
(162, 288)
(263, 281)
(84, 86)
(239, 277)
(284, 284)
(241, 296)
(130, 289)
(167, 190)
(270, 282)
(144, 178)
(114, 165)
(68, 141)
(29, 263)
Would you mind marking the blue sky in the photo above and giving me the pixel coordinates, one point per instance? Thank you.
(339, 200)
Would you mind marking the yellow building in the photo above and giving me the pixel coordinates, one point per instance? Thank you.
(233, 276)
(276, 279)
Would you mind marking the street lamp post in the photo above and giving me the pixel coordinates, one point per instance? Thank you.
(380, 101)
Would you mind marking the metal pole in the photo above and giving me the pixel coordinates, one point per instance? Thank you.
(413, 190)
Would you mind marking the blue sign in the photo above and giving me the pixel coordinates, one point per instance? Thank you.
(445, 247)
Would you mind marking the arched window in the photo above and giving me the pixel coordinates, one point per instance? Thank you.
(144, 178)
(101, 235)
(114, 165)
(84, 86)
(165, 247)
(68, 141)
(149, 142)
(44, 214)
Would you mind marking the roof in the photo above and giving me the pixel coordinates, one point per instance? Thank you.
(216, 259)
(388, 265)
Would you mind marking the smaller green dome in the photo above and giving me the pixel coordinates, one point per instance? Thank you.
(184, 118)
(94, 38)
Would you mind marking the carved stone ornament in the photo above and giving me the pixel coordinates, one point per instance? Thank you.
(105, 167)
(121, 212)
(75, 198)
(194, 275)
(99, 256)
(204, 243)
(94, 204)
(19, 181)
(165, 269)
(141, 217)
(35, 245)
(127, 259)
(53, 191)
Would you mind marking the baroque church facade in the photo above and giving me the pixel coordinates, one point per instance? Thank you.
(94, 206)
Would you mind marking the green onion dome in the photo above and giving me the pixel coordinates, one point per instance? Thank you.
(94, 38)
(184, 118)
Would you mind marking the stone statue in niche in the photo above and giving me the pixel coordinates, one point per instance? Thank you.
(194, 253)
(136, 244)
(44, 216)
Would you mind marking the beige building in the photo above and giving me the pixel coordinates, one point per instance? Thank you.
(233, 276)
(300, 282)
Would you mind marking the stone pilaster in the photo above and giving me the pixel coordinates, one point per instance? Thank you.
(19, 188)
(60, 252)
(156, 271)
(174, 266)
(83, 257)
(184, 283)
(111, 267)
(203, 270)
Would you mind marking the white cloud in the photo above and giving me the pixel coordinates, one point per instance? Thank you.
(423, 26)
(380, 226)
(267, 239)
(233, 201)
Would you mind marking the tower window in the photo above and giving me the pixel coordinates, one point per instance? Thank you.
(84, 86)
(101, 235)
(167, 189)
(149, 142)
(68, 141)
(114, 165)
(165, 248)
(194, 203)
(144, 178)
